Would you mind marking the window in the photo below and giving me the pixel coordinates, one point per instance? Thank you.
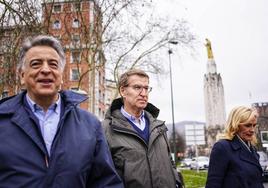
(76, 39)
(56, 24)
(76, 7)
(100, 78)
(74, 74)
(264, 137)
(4, 94)
(75, 57)
(99, 110)
(57, 8)
(100, 99)
(76, 23)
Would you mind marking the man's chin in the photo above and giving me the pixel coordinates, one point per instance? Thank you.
(47, 94)
(142, 106)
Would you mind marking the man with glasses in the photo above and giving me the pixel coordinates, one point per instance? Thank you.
(137, 140)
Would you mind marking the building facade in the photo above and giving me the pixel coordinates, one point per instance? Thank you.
(111, 92)
(214, 99)
(76, 24)
(262, 131)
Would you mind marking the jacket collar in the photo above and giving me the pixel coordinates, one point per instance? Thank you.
(117, 118)
(244, 154)
(71, 98)
(117, 103)
(236, 144)
(15, 106)
(11, 104)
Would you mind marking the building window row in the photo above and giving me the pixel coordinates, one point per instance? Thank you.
(57, 8)
(77, 6)
(75, 24)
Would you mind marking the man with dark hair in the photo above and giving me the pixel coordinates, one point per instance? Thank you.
(137, 140)
(46, 139)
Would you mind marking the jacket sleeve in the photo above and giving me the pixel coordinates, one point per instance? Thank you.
(103, 173)
(218, 165)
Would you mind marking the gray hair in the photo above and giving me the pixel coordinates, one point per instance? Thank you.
(41, 40)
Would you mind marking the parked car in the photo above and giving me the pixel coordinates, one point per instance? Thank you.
(200, 162)
(264, 164)
(186, 162)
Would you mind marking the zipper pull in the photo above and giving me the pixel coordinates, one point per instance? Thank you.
(46, 161)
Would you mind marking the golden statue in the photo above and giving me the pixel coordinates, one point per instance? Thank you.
(209, 49)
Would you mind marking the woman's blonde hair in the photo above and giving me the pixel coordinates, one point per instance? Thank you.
(239, 115)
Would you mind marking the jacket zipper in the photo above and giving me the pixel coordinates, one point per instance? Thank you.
(147, 159)
(46, 161)
(151, 177)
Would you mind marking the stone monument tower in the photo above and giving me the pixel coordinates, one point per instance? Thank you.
(214, 99)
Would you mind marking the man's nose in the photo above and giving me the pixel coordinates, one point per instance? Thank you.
(45, 67)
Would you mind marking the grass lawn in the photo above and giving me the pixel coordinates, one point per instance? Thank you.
(194, 179)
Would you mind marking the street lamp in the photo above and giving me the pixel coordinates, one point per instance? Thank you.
(172, 104)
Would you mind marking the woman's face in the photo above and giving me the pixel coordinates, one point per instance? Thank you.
(247, 130)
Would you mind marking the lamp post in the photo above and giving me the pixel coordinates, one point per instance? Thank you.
(172, 104)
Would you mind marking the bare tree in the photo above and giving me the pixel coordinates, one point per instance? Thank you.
(124, 34)
(17, 20)
(135, 37)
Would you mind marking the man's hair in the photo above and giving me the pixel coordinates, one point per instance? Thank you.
(41, 40)
(123, 80)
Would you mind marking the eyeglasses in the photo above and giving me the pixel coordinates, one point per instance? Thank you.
(139, 88)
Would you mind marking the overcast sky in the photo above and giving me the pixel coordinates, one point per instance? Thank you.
(238, 31)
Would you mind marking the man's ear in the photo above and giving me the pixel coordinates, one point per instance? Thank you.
(22, 82)
(122, 91)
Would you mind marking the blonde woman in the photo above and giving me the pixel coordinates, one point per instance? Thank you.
(234, 162)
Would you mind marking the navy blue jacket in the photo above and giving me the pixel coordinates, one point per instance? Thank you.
(233, 166)
(79, 158)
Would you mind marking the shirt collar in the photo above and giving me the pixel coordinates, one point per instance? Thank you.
(129, 116)
(35, 107)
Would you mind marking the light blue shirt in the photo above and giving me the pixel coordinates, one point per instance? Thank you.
(139, 122)
(48, 121)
